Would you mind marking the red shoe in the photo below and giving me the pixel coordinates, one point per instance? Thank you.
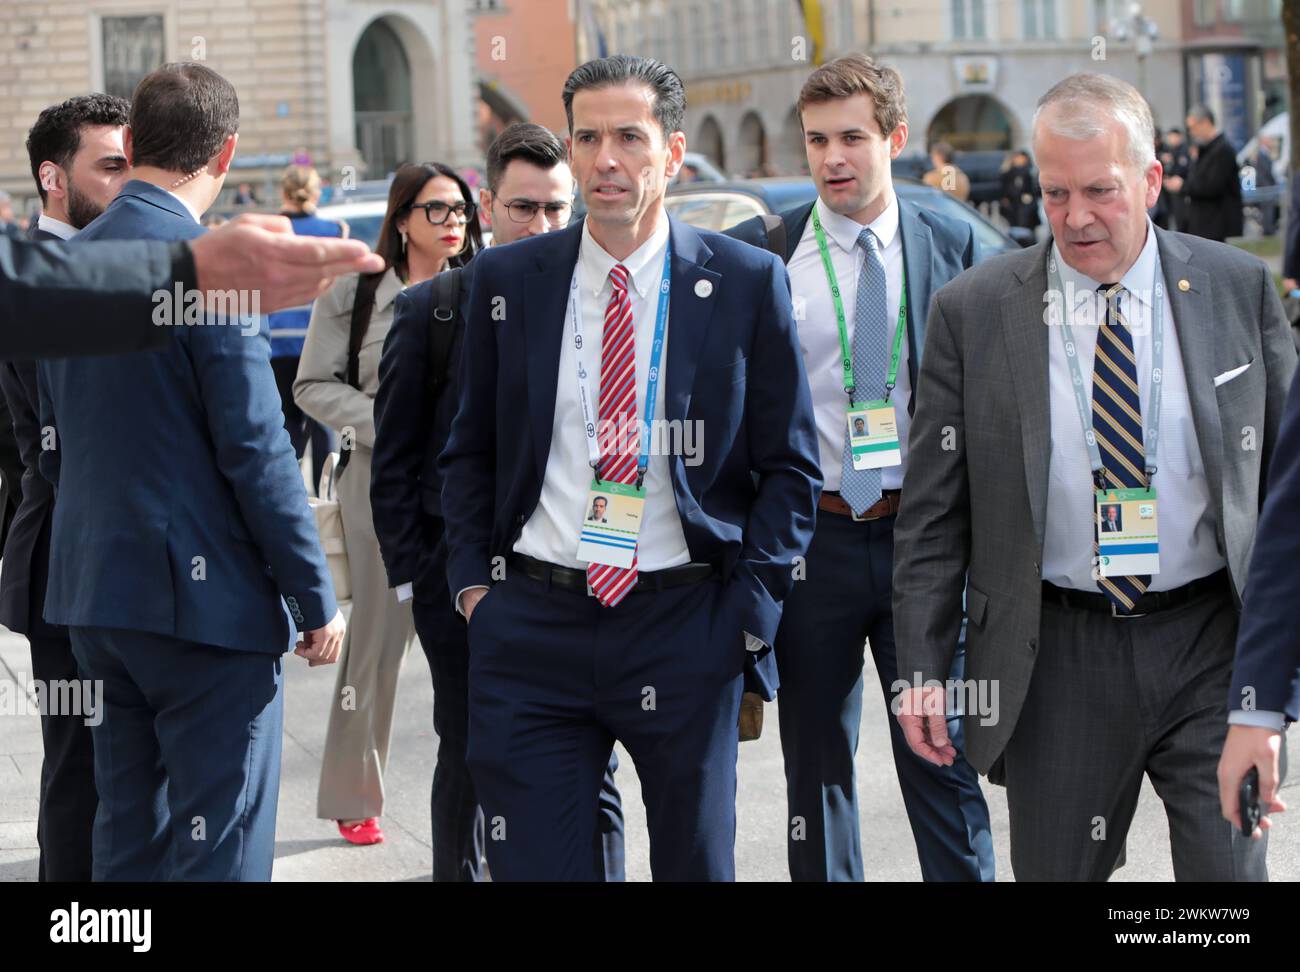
(366, 832)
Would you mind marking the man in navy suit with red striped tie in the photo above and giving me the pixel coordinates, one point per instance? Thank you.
(659, 368)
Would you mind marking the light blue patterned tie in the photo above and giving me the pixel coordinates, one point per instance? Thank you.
(860, 488)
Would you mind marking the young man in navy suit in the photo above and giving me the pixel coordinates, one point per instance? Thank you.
(854, 119)
(529, 192)
(184, 557)
(610, 336)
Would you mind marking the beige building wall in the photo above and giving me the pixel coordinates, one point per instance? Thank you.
(744, 61)
(289, 60)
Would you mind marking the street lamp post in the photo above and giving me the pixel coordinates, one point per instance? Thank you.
(1144, 32)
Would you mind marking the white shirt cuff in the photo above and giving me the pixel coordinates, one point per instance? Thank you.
(404, 592)
(460, 604)
(754, 644)
(1258, 717)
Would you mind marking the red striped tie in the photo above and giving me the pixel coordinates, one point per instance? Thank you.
(617, 413)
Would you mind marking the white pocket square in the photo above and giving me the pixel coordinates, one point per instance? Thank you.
(1229, 375)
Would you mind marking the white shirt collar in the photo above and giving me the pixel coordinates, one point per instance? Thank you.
(845, 231)
(645, 264)
(184, 202)
(56, 226)
(1137, 281)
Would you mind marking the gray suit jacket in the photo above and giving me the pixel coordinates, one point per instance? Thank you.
(975, 495)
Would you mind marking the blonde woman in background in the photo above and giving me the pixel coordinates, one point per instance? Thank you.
(430, 225)
(300, 188)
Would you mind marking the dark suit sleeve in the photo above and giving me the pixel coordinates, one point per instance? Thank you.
(468, 463)
(1291, 256)
(403, 425)
(48, 463)
(253, 451)
(1212, 174)
(1267, 667)
(932, 534)
(1279, 366)
(784, 456)
(97, 299)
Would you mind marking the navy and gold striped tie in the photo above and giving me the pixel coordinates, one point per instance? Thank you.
(1117, 423)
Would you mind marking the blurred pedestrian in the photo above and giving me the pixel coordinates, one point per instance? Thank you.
(1264, 179)
(181, 535)
(1291, 252)
(245, 196)
(300, 188)
(944, 173)
(1019, 200)
(1212, 187)
(430, 224)
(77, 160)
(9, 224)
(1176, 161)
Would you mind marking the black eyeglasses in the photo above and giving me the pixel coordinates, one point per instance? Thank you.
(525, 211)
(437, 212)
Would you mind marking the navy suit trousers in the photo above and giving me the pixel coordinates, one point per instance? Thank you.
(187, 757)
(555, 678)
(844, 601)
(456, 818)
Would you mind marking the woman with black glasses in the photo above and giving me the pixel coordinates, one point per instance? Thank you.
(430, 225)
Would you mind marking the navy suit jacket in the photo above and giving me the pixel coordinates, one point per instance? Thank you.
(168, 456)
(1268, 646)
(733, 363)
(410, 432)
(935, 249)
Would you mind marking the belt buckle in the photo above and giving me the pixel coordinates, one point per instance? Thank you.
(590, 591)
(863, 518)
(1123, 617)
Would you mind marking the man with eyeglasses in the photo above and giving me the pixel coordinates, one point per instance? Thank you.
(529, 192)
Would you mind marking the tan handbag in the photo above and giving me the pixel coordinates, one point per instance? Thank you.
(329, 524)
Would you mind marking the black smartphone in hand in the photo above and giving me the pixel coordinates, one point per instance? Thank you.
(1248, 801)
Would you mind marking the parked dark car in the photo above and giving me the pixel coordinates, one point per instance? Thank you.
(721, 205)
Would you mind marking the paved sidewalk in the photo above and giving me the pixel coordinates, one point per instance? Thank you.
(308, 849)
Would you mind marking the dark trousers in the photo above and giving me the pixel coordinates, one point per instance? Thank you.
(187, 757)
(66, 819)
(456, 818)
(844, 601)
(555, 678)
(1112, 700)
(302, 428)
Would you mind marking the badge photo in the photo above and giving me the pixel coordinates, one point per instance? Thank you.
(873, 435)
(611, 524)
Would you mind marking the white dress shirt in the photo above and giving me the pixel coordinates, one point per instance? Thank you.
(1188, 545)
(819, 337)
(56, 226)
(551, 533)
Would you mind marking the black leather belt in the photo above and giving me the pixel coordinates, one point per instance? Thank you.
(1151, 602)
(568, 579)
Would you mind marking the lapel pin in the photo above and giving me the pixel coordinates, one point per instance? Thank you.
(703, 288)
(1184, 286)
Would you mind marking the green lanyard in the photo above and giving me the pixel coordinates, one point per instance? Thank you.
(846, 353)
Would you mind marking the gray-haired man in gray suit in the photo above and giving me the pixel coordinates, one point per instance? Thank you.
(1166, 371)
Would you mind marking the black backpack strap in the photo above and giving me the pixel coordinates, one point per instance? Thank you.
(775, 227)
(442, 328)
(363, 305)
